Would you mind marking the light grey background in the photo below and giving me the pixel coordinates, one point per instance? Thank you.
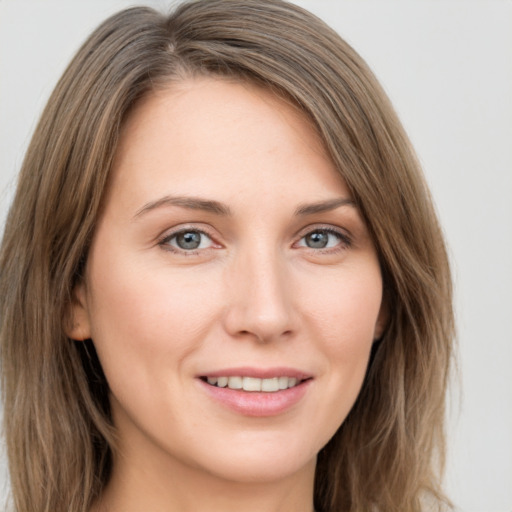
(447, 66)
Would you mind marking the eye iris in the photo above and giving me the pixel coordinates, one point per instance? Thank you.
(188, 240)
(317, 240)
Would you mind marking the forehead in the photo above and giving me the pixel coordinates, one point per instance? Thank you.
(220, 137)
(204, 103)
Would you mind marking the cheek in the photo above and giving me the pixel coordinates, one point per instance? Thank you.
(346, 308)
(142, 315)
(344, 316)
(146, 322)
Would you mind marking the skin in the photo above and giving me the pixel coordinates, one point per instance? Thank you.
(254, 293)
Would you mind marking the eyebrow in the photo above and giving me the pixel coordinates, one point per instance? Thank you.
(217, 208)
(191, 203)
(324, 206)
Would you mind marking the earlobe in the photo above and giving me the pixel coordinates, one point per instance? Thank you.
(77, 319)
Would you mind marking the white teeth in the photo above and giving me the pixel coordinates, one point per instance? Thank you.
(283, 382)
(235, 382)
(251, 384)
(254, 384)
(270, 385)
(222, 382)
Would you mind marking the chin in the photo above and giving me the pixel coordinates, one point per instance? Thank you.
(261, 462)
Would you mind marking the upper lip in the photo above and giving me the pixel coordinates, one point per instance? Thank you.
(259, 373)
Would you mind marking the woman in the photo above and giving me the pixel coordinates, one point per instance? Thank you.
(223, 282)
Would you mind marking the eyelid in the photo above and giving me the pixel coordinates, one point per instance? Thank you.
(345, 238)
(163, 240)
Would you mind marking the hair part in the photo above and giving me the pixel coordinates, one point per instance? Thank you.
(389, 453)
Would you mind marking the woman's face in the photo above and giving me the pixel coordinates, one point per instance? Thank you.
(229, 253)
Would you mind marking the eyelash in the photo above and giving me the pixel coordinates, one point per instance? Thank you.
(344, 239)
(164, 242)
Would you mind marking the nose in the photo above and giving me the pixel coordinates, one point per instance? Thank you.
(259, 304)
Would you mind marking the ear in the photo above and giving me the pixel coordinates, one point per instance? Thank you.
(382, 320)
(77, 318)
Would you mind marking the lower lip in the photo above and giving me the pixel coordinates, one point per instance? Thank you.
(253, 403)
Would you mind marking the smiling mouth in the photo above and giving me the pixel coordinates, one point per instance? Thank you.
(254, 384)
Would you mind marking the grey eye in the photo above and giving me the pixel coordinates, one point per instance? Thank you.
(317, 239)
(322, 239)
(188, 240)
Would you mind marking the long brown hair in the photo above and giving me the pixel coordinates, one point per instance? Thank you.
(388, 455)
